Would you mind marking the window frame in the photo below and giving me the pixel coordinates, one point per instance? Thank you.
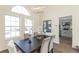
(10, 27)
(30, 31)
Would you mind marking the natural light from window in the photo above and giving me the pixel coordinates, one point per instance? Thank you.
(20, 10)
(11, 26)
(28, 26)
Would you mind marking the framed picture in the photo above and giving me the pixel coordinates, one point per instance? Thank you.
(47, 26)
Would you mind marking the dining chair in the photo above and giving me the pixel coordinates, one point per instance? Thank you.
(26, 36)
(51, 44)
(12, 47)
(45, 45)
(35, 33)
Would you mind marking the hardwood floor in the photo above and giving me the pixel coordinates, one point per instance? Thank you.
(65, 46)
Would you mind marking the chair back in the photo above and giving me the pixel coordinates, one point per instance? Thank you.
(26, 36)
(51, 44)
(45, 45)
(11, 47)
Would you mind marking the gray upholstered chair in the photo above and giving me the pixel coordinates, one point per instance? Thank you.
(45, 45)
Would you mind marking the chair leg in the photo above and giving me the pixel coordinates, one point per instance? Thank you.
(51, 51)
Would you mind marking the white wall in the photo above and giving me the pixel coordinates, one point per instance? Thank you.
(37, 22)
(54, 12)
(3, 43)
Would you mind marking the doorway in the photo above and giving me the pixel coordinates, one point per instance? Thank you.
(65, 28)
(65, 36)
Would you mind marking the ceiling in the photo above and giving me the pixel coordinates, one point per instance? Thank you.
(36, 8)
(30, 8)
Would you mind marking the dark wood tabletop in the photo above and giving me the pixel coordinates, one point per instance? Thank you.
(29, 45)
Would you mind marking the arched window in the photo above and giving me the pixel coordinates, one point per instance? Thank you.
(20, 10)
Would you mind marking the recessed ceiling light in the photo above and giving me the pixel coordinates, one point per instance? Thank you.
(37, 8)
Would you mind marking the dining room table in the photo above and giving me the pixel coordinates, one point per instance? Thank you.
(28, 45)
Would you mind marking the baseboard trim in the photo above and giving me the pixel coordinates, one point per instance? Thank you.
(4, 51)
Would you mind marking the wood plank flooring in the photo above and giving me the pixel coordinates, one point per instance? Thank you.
(65, 46)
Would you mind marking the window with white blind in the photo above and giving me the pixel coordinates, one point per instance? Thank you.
(28, 26)
(11, 26)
